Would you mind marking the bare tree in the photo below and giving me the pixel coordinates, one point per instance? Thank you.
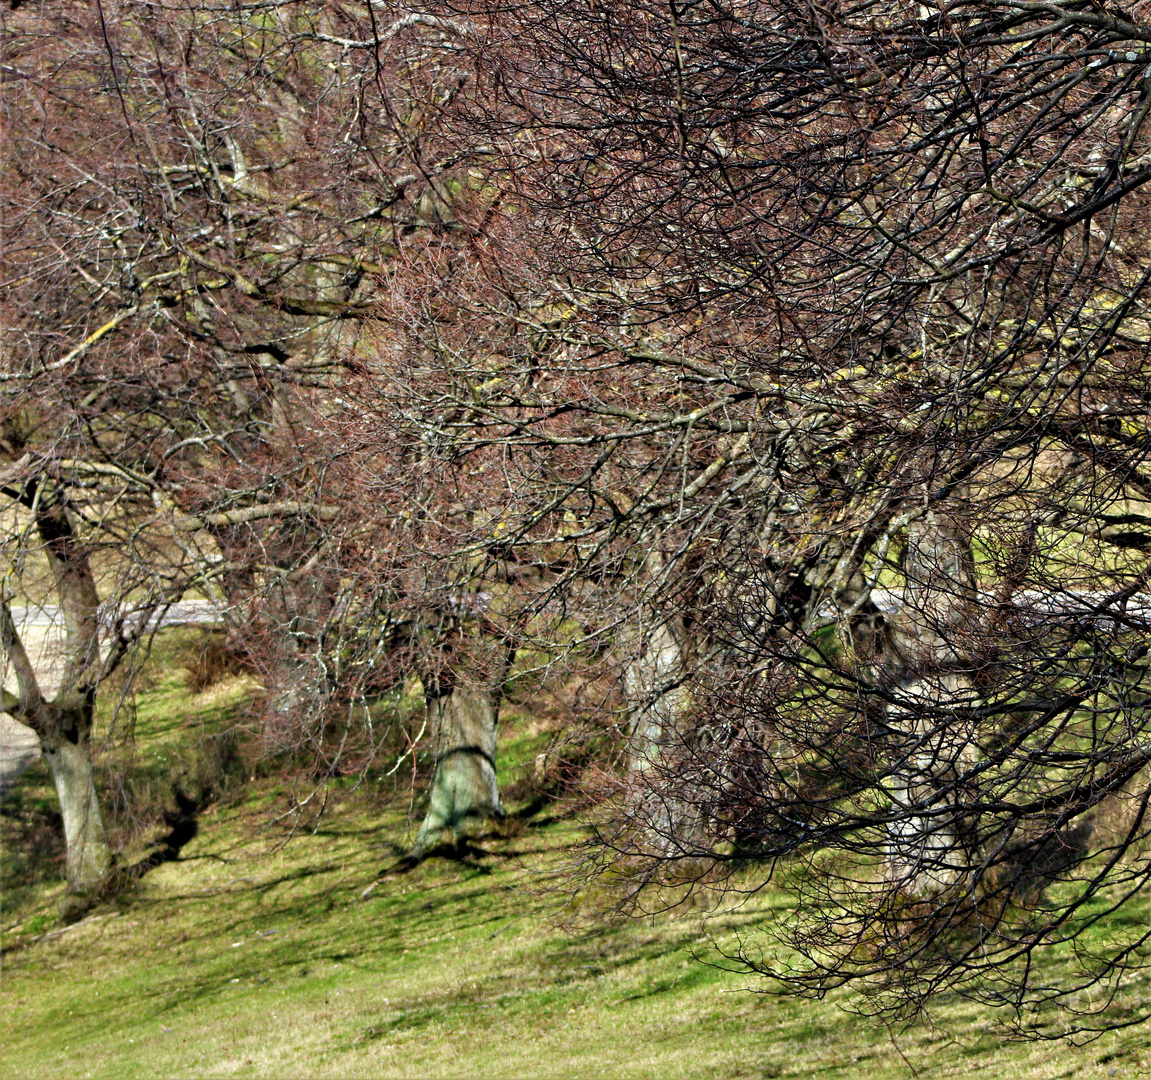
(840, 313)
(200, 205)
(793, 357)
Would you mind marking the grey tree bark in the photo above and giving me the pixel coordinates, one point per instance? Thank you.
(653, 684)
(928, 851)
(656, 668)
(89, 857)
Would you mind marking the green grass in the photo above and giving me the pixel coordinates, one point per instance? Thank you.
(252, 957)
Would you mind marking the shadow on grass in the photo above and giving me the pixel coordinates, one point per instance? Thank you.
(462, 851)
(183, 825)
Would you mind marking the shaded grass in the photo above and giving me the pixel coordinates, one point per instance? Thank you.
(246, 956)
(241, 959)
(31, 842)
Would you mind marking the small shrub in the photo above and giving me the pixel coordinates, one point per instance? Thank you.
(212, 662)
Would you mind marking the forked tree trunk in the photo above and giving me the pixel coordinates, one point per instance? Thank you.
(465, 789)
(64, 725)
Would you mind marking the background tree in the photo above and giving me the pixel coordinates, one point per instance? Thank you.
(198, 208)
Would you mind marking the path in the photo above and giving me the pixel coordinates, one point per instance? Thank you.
(43, 637)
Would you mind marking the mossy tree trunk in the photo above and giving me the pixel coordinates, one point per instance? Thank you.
(928, 851)
(465, 788)
(663, 745)
(657, 700)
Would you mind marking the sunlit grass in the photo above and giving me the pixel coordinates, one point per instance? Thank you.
(248, 959)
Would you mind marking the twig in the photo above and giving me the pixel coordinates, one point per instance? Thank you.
(891, 1036)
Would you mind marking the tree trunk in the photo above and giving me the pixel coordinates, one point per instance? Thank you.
(64, 724)
(928, 850)
(656, 698)
(464, 788)
(662, 754)
(89, 858)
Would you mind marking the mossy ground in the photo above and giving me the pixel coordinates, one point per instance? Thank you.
(251, 957)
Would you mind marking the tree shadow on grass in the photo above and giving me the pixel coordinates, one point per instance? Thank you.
(183, 827)
(461, 851)
(122, 880)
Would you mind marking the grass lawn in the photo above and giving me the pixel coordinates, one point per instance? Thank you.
(249, 957)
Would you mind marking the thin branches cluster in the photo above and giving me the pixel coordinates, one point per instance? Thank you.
(780, 368)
